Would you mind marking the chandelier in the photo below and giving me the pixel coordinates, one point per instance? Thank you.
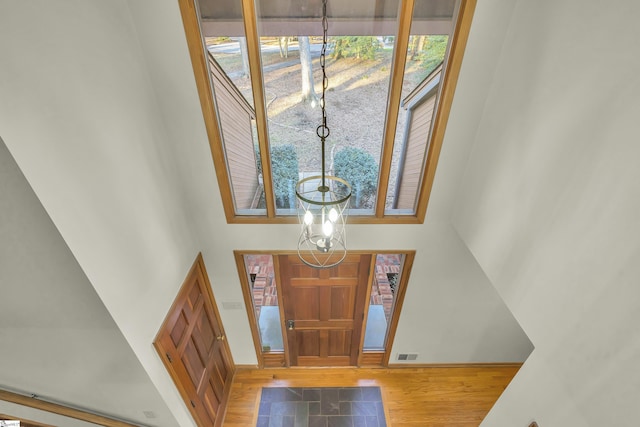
(323, 199)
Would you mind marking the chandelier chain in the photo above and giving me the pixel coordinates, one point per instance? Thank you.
(323, 129)
(324, 209)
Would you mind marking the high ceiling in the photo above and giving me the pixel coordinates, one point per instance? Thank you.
(533, 217)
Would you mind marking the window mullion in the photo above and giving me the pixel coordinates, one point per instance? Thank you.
(255, 69)
(395, 93)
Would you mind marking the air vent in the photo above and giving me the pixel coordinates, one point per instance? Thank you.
(407, 356)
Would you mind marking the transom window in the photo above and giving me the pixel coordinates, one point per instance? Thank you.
(392, 68)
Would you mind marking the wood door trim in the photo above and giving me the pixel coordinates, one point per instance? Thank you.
(405, 272)
(365, 314)
(364, 275)
(272, 359)
(289, 359)
(369, 358)
(248, 303)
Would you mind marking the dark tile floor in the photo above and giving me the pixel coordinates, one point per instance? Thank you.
(321, 407)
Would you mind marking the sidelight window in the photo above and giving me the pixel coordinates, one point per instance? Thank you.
(264, 296)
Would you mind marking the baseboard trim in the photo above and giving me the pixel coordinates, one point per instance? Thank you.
(455, 365)
(397, 366)
(239, 367)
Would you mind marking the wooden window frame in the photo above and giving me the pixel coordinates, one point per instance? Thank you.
(194, 38)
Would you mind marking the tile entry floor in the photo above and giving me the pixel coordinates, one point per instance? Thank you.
(321, 407)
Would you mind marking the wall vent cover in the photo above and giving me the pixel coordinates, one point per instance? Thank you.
(407, 356)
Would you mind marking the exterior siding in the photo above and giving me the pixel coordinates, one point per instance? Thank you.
(415, 152)
(235, 116)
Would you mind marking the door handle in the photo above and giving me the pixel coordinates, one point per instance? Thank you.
(291, 324)
(220, 338)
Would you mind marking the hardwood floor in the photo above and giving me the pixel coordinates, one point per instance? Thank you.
(455, 396)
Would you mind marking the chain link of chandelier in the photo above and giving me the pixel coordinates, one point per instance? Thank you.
(323, 200)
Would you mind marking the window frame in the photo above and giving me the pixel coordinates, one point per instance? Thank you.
(453, 63)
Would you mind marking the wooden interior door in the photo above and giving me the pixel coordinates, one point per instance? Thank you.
(326, 306)
(194, 349)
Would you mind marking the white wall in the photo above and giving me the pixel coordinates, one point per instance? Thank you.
(99, 108)
(60, 342)
(550, 205)
(79, 114)
(451, 313)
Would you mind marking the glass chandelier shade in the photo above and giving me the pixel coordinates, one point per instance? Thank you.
(323, 200)
(323, 209)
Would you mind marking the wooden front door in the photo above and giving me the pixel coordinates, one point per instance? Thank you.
(324, 310)
(193, 347)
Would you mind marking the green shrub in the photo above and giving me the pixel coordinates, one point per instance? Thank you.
(361, 47)
(284, 168)
(359, 169)
(432, 54)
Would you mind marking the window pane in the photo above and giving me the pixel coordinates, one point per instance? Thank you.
(265, 300)
(227, 55)
(358, 69)
(382, 301)
(361, 45)
(431, 24)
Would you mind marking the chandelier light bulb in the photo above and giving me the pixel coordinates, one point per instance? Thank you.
(327, 228)
(333, 215)
(308, 218)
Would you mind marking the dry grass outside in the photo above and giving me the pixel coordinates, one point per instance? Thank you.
(356, 104)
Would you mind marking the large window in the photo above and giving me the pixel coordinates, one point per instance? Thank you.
(392, 67)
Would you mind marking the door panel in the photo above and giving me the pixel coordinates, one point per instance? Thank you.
(193, 347)
(327, 308)
(340, 342)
